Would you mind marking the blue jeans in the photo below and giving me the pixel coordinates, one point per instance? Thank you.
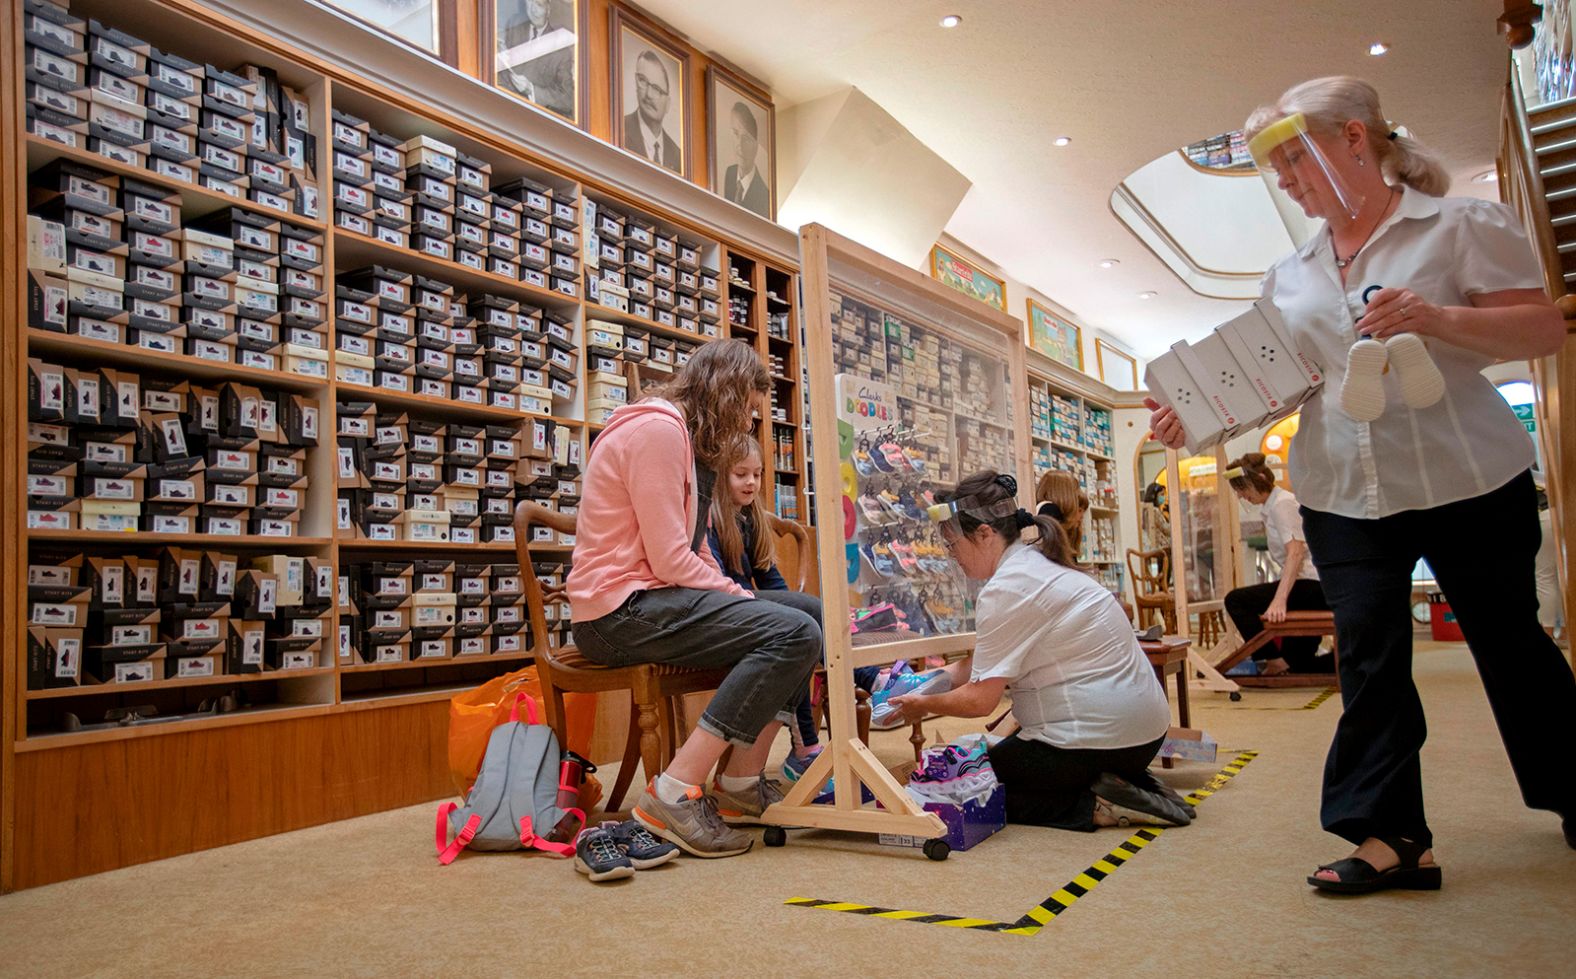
(772, 642)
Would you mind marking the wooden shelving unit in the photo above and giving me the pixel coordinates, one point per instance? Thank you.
(339, 727)
(1070, 430)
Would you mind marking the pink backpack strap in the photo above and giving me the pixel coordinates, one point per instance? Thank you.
(447, 850)
(530, 708)
(528, 837)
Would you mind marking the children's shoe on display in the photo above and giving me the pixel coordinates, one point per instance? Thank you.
(597, 855)
(1421, 383)
(692, 823)
(745, 806)
(643, 850)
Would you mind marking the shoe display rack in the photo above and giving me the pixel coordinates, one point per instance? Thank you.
(286, 353)
(1070, 431)
(923, 382)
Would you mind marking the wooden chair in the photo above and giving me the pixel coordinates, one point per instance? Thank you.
(1296, 624)
(653, 688)
(1152, 596)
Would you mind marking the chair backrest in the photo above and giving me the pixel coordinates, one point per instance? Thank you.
(526, 516)
(1152, 571)
(793, 551)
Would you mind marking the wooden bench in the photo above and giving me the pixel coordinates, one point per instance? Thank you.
(1296, 624)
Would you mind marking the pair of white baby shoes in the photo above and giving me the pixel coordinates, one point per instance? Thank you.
(1362, 392)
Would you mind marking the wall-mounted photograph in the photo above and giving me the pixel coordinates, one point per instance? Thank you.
(650, 94)
(1054, 337)
(538, 52)
(741, 137)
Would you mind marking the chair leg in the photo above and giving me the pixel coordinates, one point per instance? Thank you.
(626, 768)
(917, 739)
(862, 717)
(647, 717)
(665, 746)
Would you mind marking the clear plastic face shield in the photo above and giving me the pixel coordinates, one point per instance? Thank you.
(945, 515)
(1288, 155)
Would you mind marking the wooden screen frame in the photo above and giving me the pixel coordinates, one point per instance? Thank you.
(847, 760)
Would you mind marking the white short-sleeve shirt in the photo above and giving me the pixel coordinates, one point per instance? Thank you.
(1445, 249)
(1282, 524)
(1069, 656)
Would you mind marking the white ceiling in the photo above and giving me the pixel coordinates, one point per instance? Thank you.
(1128, 80)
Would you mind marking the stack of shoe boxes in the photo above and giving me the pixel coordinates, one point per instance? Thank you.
(608, 387)
(96, 88)
(410, 611)
(115, 452)
(637, 266)
(110, 261)
(548, 233)
(1097, 429)
(177, 614)
(1065, 419)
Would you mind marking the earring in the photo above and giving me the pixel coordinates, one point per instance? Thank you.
(1360, 162)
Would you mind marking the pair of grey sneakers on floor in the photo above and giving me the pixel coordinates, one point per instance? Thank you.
(613, 851)
(1145, 802)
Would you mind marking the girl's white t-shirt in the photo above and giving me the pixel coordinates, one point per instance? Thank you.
(1069, 655)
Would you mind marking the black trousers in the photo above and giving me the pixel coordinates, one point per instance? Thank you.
(1481, 551)
(1049, 786)
(1301, 653)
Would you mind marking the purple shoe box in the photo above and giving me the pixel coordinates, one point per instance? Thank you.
(967, 825)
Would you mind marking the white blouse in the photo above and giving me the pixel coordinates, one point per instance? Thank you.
(1282, 523)
(1445, 249)
(1074, 670)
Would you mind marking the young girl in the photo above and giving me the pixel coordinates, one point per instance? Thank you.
(741, 540)
(645, 590)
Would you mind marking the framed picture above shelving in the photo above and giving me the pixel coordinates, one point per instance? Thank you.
(650, 92)
(1055, 337)
(1117, 368)
(538, 52)
(741, 142)
(956, 272)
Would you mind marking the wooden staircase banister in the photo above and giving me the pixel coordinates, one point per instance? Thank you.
(1519, 167)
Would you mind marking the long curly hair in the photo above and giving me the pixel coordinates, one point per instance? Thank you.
(714, 391)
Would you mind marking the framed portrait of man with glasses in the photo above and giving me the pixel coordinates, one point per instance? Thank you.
(538, 54)
(741, 125)
(650, 94)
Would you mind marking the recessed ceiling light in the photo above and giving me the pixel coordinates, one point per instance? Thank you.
(1487, 176)
(951, 20)
(1377, 48)
(1062, 140)
(1110, 263)
(1147, 295)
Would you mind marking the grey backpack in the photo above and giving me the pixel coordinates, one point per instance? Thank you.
(513, 804)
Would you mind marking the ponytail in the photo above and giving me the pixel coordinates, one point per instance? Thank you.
(1409, 162)
(1053, 542)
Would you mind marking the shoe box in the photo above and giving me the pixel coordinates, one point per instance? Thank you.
(638, 266)
(172, 613)
(118, 452)
(1246, 373)
(409, 611)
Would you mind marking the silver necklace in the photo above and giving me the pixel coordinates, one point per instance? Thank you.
(1344, 264)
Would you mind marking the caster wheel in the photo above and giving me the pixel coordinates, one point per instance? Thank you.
(1236, 695)
(775, 836)
(937, 849)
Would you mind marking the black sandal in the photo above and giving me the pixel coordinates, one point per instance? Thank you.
(1358, 876)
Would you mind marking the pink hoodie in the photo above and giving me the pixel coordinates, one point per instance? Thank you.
(637, 514)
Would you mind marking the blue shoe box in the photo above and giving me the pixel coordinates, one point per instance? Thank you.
(967, 825)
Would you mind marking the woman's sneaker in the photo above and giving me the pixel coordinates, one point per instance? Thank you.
(746, 805)
(692, 823)
(598, 856)
(643, 850)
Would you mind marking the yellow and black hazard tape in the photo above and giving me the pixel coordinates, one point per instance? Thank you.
(1063, 898)
(1313, 704)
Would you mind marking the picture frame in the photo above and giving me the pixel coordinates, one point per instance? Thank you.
(956, 272)
(644, 59)
(1055, 337)
(538, 53)
(730, 101)
(1117, 368)
(427, 26)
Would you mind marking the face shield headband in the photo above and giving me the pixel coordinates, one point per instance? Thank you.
(1285, 148)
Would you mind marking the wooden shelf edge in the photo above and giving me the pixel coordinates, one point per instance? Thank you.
(440, 267)
(124, 354)
(223, 679)
(262, 715)
(431, 662)
(142, 539)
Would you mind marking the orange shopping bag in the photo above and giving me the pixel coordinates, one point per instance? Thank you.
(474, 713)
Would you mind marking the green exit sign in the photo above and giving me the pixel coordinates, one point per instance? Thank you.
(1524, 413)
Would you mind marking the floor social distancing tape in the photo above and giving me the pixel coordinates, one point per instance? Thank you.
(1313, 704)
(1063, 898)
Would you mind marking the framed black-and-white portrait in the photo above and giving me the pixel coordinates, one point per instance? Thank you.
(650, 93)
(538, 55)
(741, 142)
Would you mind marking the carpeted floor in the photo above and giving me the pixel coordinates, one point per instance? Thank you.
(1223, 897)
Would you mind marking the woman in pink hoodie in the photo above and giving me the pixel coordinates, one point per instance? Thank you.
(645, 589)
